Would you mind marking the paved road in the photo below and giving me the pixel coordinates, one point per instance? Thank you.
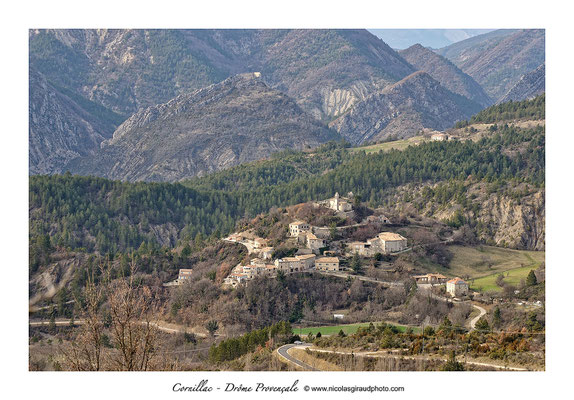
(162, 326)
(283, 352)
(475, 319)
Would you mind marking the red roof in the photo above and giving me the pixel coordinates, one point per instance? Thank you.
(457, 281)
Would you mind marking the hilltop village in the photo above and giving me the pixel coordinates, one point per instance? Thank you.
(316, 248)
(308, 247)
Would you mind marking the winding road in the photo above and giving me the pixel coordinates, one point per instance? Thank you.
(283, 352)
(475, 319)
(162, 326)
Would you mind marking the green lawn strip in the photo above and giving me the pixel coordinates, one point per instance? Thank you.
(483, 261)
(396, 144)
(513, 277)
(347, 328)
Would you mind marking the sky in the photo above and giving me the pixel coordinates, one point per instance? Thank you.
(435, 38)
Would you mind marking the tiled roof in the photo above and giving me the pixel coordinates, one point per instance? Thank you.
(457, 281)
(298, 223)
(327, 259)
(390, 236)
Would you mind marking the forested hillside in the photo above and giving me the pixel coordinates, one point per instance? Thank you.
(534, 109)
(110, 216)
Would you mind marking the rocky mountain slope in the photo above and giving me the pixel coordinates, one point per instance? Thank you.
(123, 71)
(446, 73)
(468, 48)
(326, 71)
(62, 126)
(499, 62)
(403, 110)
(240, 119)
(529, 86)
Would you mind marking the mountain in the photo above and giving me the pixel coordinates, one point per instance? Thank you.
(529, 86)
(498, 63)
(326, 71)
(459, 51)
(240, 119)
(63, 126)
(444, 71)
(123, 71)
(403, 110)
(435, 38)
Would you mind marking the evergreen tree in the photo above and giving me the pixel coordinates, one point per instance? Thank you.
(531, 279)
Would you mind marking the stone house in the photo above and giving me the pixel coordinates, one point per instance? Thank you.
(288, 264)
(184, 274)
(307, 261)
(457, 287)
(327, 263)
(432, 279)
(389, 242)
(298, 227)
(314, 243)
(364, 249)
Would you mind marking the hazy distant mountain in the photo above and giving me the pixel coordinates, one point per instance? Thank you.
(448, 74)
(240, 119)
(500, 61)
(459, 51)
(435, 38)
(63, 126)
(404, 109)
(529, 86)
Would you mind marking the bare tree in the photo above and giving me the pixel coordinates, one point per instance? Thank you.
(85, 352)
(133, 328)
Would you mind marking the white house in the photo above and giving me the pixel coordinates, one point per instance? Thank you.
(390, 242)
(457, 287)
(297, 227)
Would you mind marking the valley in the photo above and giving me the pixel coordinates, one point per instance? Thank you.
(267, 200)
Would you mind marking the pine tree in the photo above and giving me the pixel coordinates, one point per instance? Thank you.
(531, 279)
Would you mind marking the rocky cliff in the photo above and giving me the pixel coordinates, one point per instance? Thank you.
(404, 109)
(528, 87)
(446, 73)
(240, 119)
(62, 127)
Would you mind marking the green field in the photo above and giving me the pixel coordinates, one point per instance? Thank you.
(482, 261)
(513, 277)
(348, 329)
(396, 144)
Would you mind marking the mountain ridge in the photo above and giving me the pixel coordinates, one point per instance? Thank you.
(237, 120)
